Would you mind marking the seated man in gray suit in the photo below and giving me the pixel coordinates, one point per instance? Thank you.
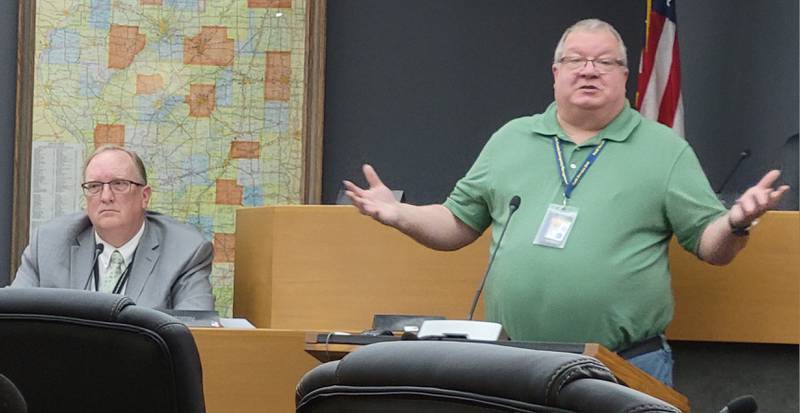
(153, 259)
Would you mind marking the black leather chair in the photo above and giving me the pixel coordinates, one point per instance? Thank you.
(443, 377)
(78, 351)
(11, 400)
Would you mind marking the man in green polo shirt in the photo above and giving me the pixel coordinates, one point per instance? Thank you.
(603, 190)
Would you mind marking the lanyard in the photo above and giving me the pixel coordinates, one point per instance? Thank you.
(569, 185)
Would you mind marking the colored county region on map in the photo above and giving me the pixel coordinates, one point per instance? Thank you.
(209, 93)
(124, 43)
(211, 46)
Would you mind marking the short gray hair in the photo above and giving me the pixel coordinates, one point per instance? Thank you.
(137, 161)
(591, 25)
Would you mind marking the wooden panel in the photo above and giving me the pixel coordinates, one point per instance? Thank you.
(756, 299)
(631, 376)
(328, 268)
(252, 291)
(332, 269)
(251, 370)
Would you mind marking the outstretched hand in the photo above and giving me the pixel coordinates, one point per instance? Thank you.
(376, 201)
(757, 200)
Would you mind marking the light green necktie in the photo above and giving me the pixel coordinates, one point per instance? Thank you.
(114, 272)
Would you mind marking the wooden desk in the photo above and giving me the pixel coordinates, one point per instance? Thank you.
(248, 371)
(625, 372)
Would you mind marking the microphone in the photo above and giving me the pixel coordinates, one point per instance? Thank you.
(742, 155)
(741, 404)
(98, 249)
(512, 207)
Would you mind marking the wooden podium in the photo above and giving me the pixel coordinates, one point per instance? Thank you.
(327, 268)
(324, 268)
(755, 299)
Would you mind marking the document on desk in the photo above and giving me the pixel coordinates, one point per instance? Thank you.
(235, 323)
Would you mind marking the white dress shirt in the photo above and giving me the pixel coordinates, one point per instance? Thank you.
(127, 250)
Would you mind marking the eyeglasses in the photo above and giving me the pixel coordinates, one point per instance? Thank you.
(603, 65)
(117, 186)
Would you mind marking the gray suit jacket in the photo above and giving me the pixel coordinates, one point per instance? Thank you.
(170, 270)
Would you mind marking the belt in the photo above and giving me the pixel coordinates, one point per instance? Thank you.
(642, 347)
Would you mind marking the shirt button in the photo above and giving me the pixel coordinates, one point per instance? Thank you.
(572, 165)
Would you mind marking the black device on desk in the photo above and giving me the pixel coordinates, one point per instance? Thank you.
(381, 323)
(385, 325)
(576, 348)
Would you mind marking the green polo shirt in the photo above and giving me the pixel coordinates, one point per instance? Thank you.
(611, 282)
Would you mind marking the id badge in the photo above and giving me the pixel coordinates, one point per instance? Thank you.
(556, 226)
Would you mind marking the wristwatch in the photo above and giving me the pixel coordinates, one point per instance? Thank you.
(740, 231)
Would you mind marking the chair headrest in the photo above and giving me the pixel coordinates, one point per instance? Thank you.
(526, 375)
(62, 302)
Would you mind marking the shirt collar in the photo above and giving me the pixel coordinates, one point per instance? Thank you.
(618, 130)
(126, 249)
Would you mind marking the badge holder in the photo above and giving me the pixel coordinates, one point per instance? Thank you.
(556, 226)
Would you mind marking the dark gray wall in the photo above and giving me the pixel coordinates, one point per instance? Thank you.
(417, 87)
(740, 77)
(8, 85)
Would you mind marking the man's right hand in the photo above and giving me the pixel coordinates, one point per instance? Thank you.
(376, 201)
(431, 225)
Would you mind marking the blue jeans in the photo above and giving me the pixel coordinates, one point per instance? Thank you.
(656, 363)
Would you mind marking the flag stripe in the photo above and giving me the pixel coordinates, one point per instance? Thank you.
(672, 90)
(662, 56)
(658, 95)
(677, 125)
(656, 23)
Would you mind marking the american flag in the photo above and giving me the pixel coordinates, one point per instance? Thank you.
(658, 95)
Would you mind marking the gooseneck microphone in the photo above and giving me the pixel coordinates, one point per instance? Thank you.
(741, 404)
(742, 155)
(512, 207)
(98, 249)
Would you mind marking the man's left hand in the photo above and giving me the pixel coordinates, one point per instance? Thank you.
(757, 200)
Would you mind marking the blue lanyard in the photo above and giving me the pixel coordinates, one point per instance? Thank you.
(569, 185)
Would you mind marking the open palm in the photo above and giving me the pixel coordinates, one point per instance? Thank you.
(376, 201)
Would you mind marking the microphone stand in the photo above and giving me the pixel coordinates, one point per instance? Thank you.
(512, 207)
(98, 249)
(470, 329)
(744, 154)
